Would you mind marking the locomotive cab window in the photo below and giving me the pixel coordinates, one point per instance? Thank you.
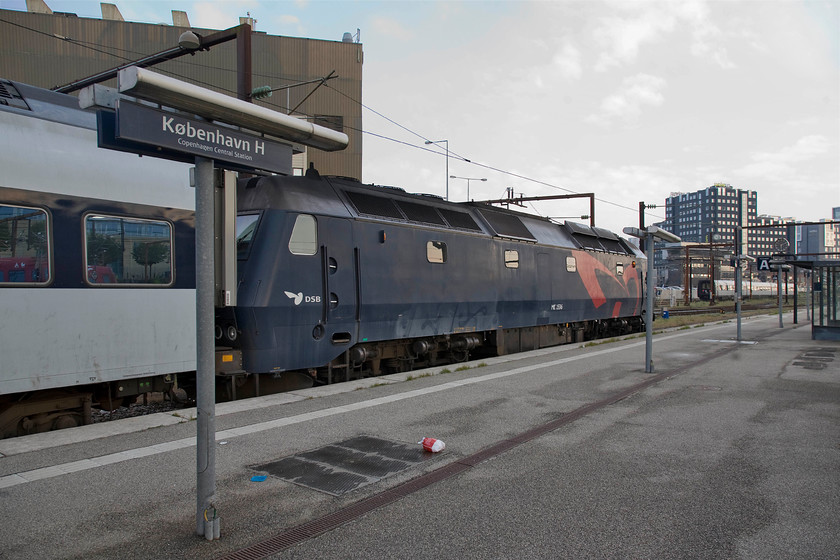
(436, 252)
(512, 259)
(122, 250)
(304, 239)
(571, 264)
(246, 225)
(24, 245)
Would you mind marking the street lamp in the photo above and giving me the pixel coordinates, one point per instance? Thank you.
(468, 179)
(447, 161)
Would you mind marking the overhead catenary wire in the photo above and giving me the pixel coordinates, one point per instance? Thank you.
(477, 164)
(434, 149)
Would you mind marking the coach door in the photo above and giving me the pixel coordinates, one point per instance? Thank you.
(338, 266)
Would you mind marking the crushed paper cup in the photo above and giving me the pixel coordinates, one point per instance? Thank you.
(432, 444)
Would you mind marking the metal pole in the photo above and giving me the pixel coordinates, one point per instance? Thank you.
(651, 294)
(739, 288)
(153, 59)
(779, 291)
(795, 295)
(447, 170)
(738, 294)
(243, 62)
(205, 348)
(809, 303)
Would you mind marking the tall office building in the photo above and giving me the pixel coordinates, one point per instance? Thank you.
(820, 241)
(711, 215)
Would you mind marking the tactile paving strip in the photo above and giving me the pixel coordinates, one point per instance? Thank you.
(341, 467)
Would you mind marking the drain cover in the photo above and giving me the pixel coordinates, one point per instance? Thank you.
(338, 468)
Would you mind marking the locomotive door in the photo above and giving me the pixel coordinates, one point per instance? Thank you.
(338, 270)
(543, 288)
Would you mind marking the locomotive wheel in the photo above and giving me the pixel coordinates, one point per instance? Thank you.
(459, 356)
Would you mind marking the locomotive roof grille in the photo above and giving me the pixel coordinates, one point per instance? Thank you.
(10, 96)
(613, 246)
(421, 213)
(374, 205)
(589, 242)
(580, 229)
(507, 225)
(604, 233)
(404, 210)
(459, 220)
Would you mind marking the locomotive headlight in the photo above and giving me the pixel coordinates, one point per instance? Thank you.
(634, 264)
(218, 332)
(231, 333)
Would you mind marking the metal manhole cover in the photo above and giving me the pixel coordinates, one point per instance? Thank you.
(338, 468)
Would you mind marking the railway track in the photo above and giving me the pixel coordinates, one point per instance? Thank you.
(729, 308)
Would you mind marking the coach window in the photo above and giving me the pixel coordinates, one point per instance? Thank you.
(24, 245)
(304, 240)
(127, 251)
(512, 259)
(436, 252)
(571, 264)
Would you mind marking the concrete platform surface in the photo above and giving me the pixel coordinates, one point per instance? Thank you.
(729, 450)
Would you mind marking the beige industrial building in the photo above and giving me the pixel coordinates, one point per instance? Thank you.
(53, 49)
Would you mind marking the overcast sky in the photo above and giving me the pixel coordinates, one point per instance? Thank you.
(629, 100)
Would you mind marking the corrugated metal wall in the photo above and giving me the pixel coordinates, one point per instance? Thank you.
(33, 50)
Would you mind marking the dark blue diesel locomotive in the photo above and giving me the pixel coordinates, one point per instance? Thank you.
(337, 278)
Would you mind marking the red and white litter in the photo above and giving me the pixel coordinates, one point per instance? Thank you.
(432, 444)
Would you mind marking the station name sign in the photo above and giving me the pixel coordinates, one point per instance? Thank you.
(172, 132)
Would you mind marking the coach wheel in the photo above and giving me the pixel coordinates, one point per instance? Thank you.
(178, 395)
(70, 420)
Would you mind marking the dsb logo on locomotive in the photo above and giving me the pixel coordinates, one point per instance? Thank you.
(300, 298)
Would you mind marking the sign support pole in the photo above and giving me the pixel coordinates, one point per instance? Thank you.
(120, 131)
(651, 294)
(206, 518)
(649, 235)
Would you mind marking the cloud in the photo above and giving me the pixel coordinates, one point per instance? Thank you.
(218, 15)
(622, 37)
(567, 61)
(782, 163)
(288, 20)
(707, 38)
(626, 104)
(392, 28)
(805, 148)
(651, 22)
